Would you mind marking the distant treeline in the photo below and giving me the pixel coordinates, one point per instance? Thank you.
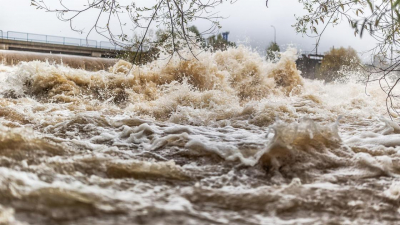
(162, 40)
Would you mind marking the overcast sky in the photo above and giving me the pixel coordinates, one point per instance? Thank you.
(248, 21)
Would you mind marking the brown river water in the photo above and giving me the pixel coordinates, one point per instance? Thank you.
(225, 139)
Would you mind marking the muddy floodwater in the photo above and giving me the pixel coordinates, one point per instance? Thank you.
(225, 139)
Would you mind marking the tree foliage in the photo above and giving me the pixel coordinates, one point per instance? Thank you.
(335, 61)
(161, 42)
(272, 51)
(217, 42)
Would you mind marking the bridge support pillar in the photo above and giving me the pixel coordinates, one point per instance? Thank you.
(3, 47)
(96, 54)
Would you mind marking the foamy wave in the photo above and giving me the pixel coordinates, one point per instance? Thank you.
(194, 141)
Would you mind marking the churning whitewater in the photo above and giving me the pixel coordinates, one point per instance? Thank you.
(225, 139)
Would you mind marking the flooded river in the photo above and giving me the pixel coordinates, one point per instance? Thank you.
(225, 139)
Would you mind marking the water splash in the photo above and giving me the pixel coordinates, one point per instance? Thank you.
(227, 138)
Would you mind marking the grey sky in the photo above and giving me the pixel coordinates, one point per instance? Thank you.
(249, 22)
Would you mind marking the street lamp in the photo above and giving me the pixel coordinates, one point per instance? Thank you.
(274, 33)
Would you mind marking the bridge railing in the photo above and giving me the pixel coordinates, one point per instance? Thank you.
(50, 39)
(108, 45)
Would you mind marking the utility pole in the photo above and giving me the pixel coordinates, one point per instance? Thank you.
(274, 32)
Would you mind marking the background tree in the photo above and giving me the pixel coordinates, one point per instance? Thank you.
(148, 50)
(272, 51)
(198, 36)
(217, 42)
(160, 42)
(335, 61)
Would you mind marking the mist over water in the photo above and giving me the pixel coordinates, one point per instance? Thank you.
(225, 139)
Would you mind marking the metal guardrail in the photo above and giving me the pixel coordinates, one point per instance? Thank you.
(50, 39)
(108, 45)
(12, 35)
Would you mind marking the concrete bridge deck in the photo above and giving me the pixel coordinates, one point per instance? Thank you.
(12, 40)
(7, 44)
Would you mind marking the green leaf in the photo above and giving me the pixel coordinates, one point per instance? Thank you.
(370, 5)
(315, 30)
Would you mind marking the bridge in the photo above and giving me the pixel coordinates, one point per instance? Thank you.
(19, 41)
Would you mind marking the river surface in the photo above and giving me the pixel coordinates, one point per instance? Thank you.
(225, 139)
